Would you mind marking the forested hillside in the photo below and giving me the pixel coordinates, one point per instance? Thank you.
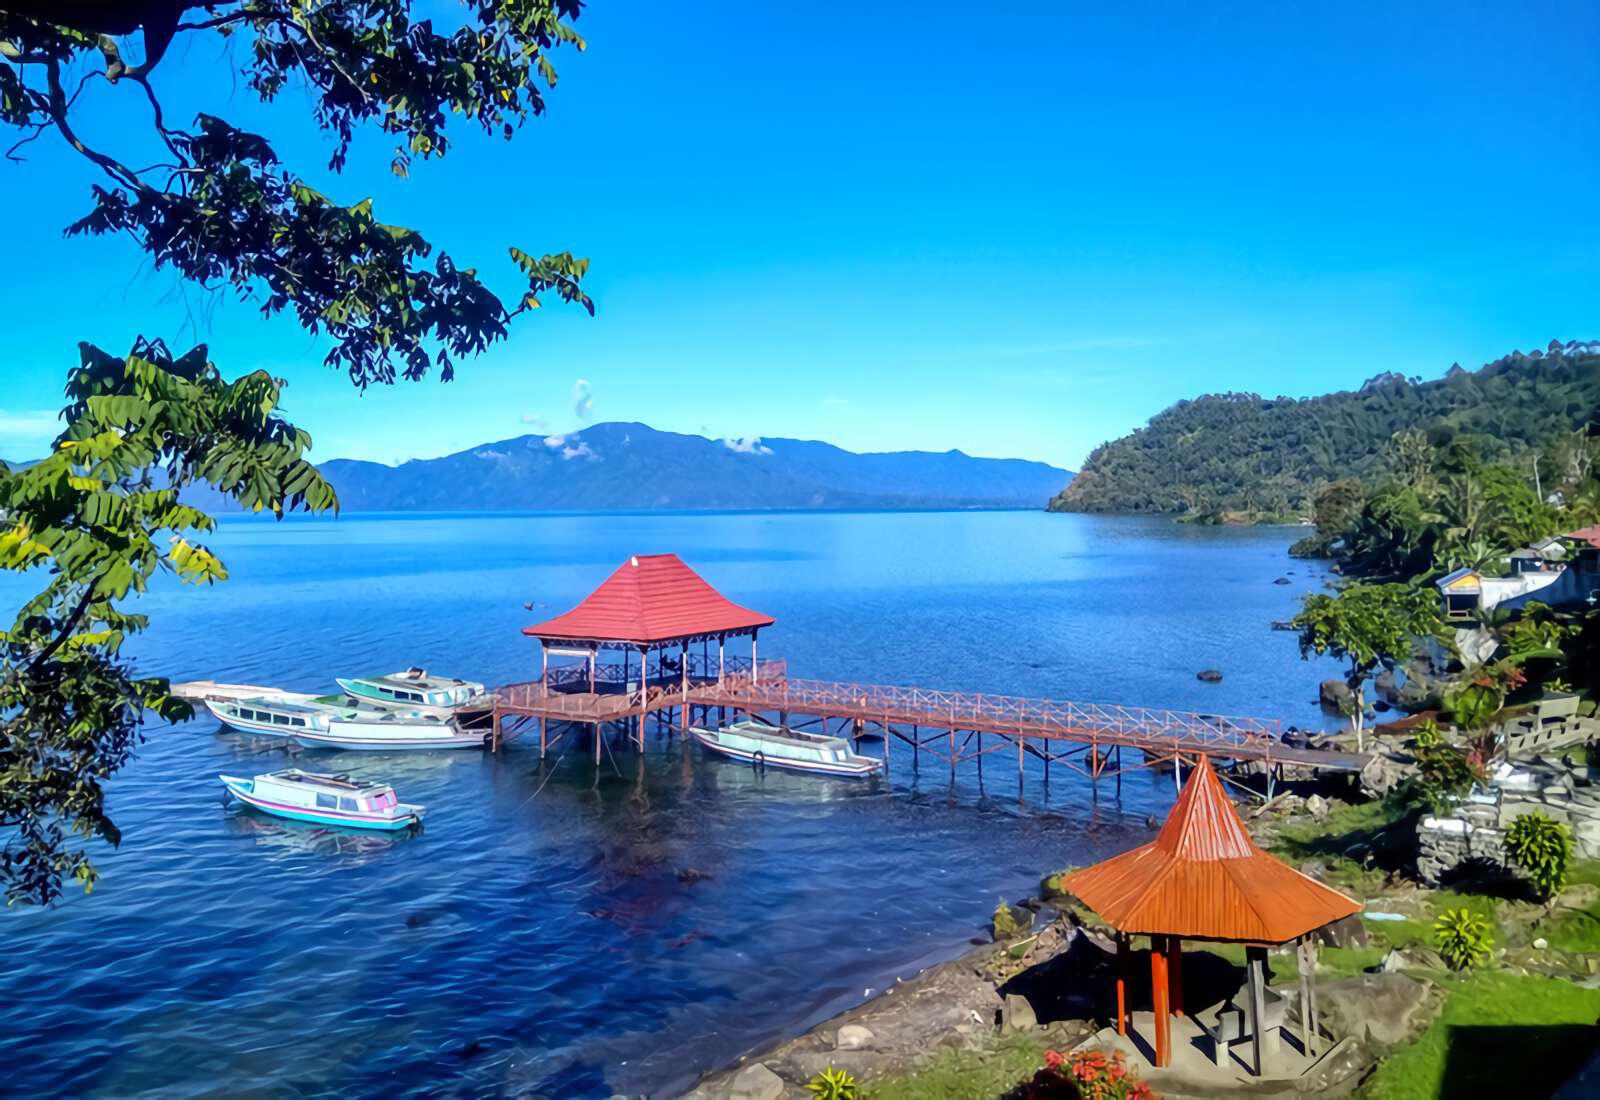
(1242, 456)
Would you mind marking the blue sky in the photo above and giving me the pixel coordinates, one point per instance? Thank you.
(1017, 230)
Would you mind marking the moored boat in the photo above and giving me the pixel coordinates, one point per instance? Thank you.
(336, 722)
(757, 742)
(416, 690)
(325, 799)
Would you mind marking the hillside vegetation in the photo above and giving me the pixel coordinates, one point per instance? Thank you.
(1239, 456)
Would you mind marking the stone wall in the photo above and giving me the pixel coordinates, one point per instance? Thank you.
(1475, 832)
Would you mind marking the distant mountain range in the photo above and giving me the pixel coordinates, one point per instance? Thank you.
(623, 465)
(1242, 456)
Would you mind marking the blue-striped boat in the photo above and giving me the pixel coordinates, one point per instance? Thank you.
(325, 800)
(758, 743)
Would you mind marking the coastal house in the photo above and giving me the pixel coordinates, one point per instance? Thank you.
(1467, 591)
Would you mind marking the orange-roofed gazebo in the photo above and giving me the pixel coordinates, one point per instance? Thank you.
(1204, 878)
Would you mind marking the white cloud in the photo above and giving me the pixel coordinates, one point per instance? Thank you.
(749, 445)
(582, 399)
(554, 440)
(580, 451)
(29, 429)
(537, 421)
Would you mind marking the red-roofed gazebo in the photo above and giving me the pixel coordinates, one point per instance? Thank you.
(651, 599)
(653, 607)
(1204, 878)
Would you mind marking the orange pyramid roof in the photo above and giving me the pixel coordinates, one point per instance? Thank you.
(650, 598)
(1203, 877)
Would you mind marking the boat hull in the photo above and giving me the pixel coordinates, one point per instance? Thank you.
(241, 789)
(352, 738)
(847, 769)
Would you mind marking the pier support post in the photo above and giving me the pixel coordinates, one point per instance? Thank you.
(542, 745)
(597, 736)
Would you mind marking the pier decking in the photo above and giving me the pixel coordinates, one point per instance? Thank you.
(658, 607)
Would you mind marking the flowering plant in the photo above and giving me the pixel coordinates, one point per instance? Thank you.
(1089, 1074)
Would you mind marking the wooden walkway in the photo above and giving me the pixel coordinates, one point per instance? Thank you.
(950, 726)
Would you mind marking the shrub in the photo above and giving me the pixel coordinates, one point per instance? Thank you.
(1428, 735)
(1005, 922)
(833, 1084)
(1463, 938)
(1542, 848)
(1445, 775)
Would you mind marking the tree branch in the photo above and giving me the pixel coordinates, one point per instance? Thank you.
(58, 112)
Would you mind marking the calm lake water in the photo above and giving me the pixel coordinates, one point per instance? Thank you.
(540, 942)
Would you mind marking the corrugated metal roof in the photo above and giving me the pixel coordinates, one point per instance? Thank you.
(650, 598)
(1203, 877)
(1590, 534)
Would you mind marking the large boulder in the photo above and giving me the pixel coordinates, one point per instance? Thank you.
(1347, 932)
(1386, 1009)
(1336, 696)
(1383, 773)
(756, 1082)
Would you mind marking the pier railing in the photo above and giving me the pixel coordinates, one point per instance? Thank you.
(1000, 714)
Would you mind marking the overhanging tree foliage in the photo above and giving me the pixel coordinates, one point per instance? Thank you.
(220, 209)
(102, 515)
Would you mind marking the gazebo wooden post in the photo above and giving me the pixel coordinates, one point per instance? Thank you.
(1175, 972)
(1305, 956)
(544, 664)
(683, 724)
(755, 665)
(1158, 997)
(1122, 983)
(1255, 978)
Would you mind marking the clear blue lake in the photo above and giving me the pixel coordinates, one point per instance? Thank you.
(538, 937)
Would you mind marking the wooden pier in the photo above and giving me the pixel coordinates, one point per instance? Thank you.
(659, 607)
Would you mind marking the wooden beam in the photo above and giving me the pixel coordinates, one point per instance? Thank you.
(1158, 989)
(1122, 983)
(1255, 980)
(1175, 971)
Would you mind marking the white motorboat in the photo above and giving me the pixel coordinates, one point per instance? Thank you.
(337, 722)
(325, 799)
(416, 690)
(771, 746)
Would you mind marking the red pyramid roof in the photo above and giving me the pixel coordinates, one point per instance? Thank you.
(1590, 534)
(1203, 877)
(650, 598)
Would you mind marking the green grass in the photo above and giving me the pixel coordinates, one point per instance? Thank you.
(1576, 930)
(965, 1074)
(1499, 1035)
(1366, 826)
